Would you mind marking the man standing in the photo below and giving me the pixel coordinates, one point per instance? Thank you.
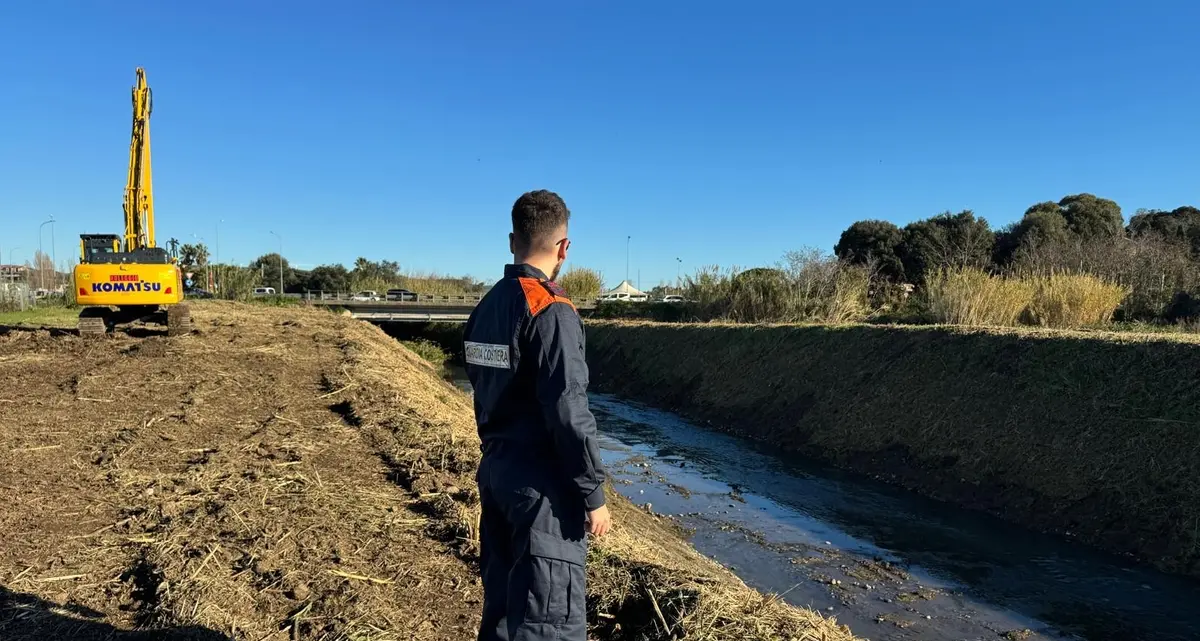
(541, 482)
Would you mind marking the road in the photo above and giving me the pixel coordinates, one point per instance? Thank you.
(442, 309)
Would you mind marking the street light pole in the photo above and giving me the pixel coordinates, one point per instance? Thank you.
(280, 262)
(678, 272)
(41, 272)
(628, 239)
(53, 254)
(218, 237)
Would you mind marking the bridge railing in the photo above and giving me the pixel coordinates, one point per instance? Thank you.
(461, 300)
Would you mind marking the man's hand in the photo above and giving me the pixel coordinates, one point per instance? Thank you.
(599, 521)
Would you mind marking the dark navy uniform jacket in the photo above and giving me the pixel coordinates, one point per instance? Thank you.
(524, 348)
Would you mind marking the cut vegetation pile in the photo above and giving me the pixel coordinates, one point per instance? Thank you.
(284, 474)
(1089, 434)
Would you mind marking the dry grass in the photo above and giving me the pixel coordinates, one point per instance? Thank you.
(282, 473)
(207, 486)
(972, 297)
(430, 284)
(806, 287)
(1067, 300)
(1089, 432)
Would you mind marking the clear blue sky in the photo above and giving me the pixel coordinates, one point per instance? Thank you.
(716, 132)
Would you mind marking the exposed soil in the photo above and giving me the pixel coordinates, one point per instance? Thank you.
(284, 474)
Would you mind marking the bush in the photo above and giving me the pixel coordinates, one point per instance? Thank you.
(1152, 268)
(1185, 308)
(236, 283)
(807, 287)
(428, 350)
(1074, 300)
(971, 296)
(581, 283)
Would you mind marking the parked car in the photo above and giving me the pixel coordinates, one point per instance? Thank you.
(264, 291)
(196, 292)
(673, 298)
(400, 295)
(366, 296)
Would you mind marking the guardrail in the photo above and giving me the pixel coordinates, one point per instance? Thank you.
(418, 300)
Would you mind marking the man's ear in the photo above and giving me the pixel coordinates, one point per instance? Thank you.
(512, 243)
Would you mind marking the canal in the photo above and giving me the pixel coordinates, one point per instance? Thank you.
(889, 563)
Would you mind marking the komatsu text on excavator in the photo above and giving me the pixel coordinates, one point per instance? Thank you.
(121, 280)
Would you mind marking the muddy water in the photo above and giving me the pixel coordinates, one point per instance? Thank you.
(888, 563)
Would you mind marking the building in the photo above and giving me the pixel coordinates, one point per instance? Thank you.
(14, 273)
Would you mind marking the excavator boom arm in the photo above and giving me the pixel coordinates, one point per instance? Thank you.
(139, 194)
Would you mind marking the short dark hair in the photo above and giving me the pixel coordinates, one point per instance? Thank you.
(536, 215)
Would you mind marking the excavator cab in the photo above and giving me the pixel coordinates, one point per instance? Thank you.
(98, 248)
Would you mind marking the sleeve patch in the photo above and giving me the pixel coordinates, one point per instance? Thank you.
(539, 296)
(487, 355)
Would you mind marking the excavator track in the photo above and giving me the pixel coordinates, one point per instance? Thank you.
(92, 323)
(179, 320)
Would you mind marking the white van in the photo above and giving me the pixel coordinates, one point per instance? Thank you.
(264, 291)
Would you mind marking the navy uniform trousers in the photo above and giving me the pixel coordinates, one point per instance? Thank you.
(533, 547)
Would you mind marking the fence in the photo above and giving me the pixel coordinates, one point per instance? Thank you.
(15, 297)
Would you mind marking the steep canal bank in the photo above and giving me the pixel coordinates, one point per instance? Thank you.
(892, 565)
(1092, 436)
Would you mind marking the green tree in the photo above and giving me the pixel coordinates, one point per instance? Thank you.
(328, 278)
(193, 255)
(268, 266)
(1042, 224)
(1180, 224)
(383, 270)
(1091, 217)
(874, 243)
(1078, 219)
(946, 241)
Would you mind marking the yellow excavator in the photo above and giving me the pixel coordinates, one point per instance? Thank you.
(122, 280)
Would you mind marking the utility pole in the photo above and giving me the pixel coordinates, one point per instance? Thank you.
(53, 254)
(41, 272)
(280, 262)
(628, 240)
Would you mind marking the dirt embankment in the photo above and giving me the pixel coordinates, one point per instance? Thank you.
(1091, 435)
(283, 474)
